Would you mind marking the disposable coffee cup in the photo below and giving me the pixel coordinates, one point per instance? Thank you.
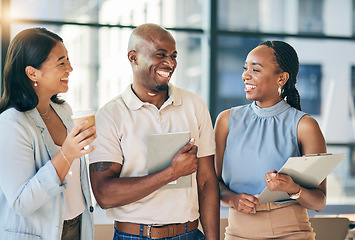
(79, 116)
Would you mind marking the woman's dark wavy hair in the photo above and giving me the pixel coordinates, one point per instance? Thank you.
(287, 59)
(30, 47)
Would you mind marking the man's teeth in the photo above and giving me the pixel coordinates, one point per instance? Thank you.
(163, 73)
(64, 79)
(249, 87)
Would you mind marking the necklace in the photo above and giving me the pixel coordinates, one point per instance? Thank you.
(43, 115)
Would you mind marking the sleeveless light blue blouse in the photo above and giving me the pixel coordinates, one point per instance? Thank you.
(259, 140)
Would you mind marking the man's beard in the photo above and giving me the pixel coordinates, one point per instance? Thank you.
(162, 87)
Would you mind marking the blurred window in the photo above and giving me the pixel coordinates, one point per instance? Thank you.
(353, 84)
(310, 18)
(309, 87)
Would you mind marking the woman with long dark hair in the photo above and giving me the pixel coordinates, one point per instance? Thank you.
(44, 189)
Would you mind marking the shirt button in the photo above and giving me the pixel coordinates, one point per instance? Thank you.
(91, 208)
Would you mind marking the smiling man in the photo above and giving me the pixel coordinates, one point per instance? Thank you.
(118, 168)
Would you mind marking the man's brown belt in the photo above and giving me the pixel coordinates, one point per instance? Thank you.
(151, 231)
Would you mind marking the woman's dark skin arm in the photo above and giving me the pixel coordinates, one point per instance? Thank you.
(311, 141)
(243, 202)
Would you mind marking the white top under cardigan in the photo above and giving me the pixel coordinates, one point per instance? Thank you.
(74, 201)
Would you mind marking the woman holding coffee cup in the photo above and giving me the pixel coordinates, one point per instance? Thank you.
(44, 188)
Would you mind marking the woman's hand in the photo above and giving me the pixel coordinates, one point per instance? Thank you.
(76, 141)
(280, 182)
(244, 203)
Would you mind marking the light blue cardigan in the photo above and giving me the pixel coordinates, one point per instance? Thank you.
(31, 195)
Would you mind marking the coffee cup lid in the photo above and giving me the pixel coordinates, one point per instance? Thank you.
(83, 113)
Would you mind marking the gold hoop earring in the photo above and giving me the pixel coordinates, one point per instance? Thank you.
(279, 90)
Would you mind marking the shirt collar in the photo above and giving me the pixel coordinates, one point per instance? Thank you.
(270, 111)
(134, 103)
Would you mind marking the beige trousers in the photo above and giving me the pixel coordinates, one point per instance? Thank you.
(270, 221)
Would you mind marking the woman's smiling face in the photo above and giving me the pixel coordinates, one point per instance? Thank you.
(261, 77)
(53, 75)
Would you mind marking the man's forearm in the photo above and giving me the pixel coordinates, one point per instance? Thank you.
(110, 190)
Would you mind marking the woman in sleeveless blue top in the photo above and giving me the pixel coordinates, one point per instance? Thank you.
(255, 140)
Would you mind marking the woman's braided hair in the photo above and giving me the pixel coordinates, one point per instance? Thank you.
(287, 59)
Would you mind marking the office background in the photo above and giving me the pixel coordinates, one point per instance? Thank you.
(213, 38)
